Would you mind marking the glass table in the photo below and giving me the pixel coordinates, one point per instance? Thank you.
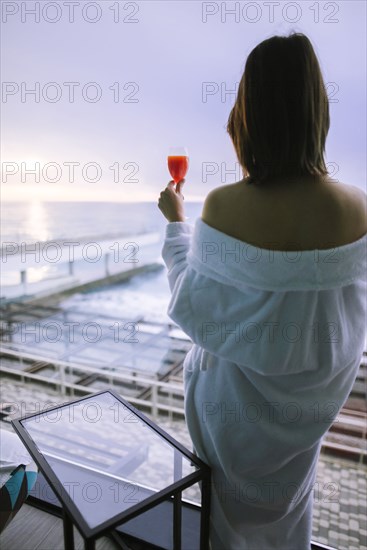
(108, 463)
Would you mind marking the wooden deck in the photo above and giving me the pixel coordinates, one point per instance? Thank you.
(33, 529)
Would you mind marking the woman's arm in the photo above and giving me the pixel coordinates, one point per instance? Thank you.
(178, 232)
(175, 249)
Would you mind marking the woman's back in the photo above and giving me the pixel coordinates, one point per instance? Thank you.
(303, 214)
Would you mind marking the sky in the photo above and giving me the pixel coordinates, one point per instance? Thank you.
(115, 84)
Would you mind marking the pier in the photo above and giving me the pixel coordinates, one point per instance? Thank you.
(37, 270)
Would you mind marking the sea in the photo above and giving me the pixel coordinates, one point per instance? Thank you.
(145, 295)
(46, 221)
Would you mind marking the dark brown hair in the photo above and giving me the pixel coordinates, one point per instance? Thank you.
(280, 120)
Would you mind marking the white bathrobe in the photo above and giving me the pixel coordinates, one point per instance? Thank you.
(278, 337)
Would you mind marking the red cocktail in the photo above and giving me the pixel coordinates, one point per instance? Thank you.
(178, 163)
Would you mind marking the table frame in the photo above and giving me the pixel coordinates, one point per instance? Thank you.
(71, 513)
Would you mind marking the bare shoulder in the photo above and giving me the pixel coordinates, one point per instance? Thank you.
(345, 191)
(219, 203)
(222, 191)
(351, 204)
(314, 215)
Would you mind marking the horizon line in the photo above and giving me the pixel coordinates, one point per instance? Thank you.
(94, 200)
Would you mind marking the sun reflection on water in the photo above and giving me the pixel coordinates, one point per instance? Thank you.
(36, 224)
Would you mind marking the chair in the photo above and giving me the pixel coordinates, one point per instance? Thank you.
(18, 474)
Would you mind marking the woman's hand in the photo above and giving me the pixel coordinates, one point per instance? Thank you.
(170, 202)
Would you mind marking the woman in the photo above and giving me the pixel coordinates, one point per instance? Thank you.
(270, 287)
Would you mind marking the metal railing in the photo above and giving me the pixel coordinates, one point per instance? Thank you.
(63, 368)
(157, 396)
